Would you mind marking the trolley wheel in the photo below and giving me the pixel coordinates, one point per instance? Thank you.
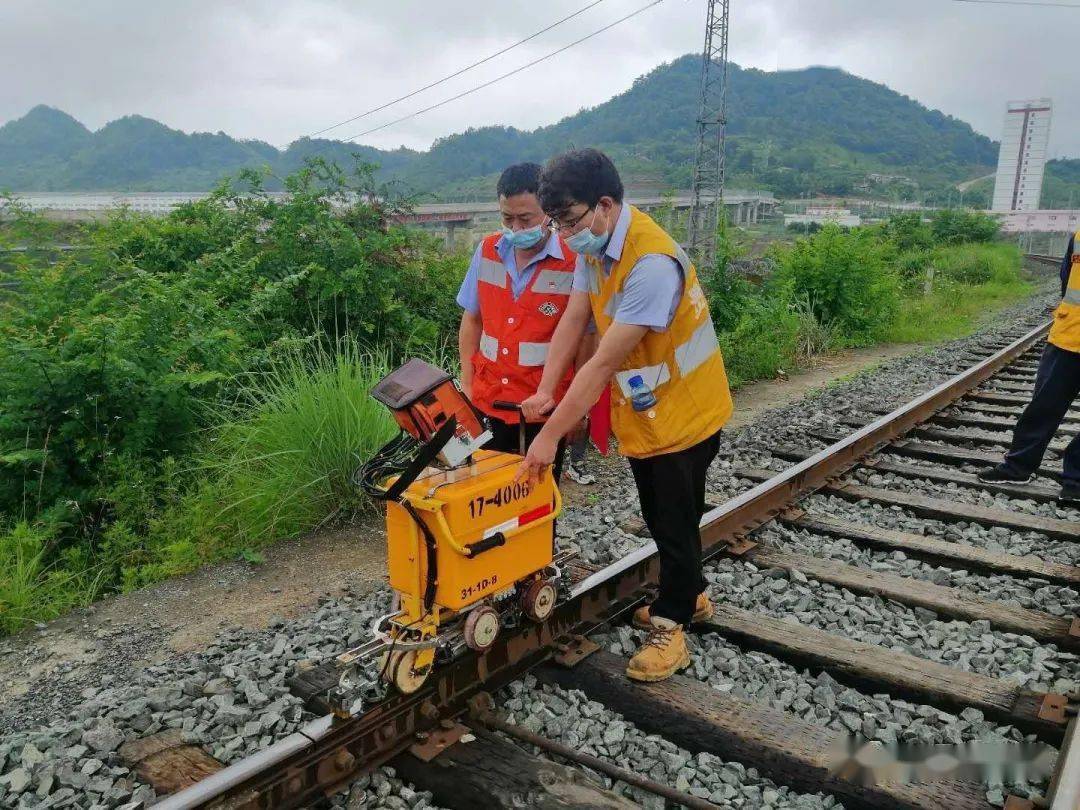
(538, 600)
(481, 628)
(400, 671)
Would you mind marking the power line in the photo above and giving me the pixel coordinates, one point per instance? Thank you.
(458, 72)
(505, 75)
(1021, 3)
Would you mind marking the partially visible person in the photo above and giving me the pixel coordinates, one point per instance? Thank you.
(579, 438)
(659, 354)
(1057, 385)
(515, 292)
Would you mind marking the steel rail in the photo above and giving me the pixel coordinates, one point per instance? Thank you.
(327, 753)
(1064, 791)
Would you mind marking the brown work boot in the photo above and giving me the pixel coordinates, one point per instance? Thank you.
(662, 654)
(703, 609)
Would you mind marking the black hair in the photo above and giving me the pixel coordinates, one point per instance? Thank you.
(578, 176)
(521, 178)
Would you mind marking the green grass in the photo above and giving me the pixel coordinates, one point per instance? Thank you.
(970, 283)
(280, 461)
(32, 590)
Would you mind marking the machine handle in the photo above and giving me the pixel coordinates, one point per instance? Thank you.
(503, 405)
(488, 543)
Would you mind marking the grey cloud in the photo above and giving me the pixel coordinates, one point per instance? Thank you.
(280, 70)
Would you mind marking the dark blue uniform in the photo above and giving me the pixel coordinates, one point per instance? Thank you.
(1057, 384)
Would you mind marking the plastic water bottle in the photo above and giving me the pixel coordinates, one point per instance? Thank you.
(641, 396)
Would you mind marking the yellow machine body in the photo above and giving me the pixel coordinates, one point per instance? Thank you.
(462, 507)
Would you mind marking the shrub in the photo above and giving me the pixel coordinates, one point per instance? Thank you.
(281, 460)
(977, 264)
(846, 279)
(727, 292)
(116, 362)
(763, 342)
(908, 232)
(951, 226)
(32, 589)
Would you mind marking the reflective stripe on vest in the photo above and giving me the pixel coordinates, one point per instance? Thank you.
(1072, 296)
(654, 377)
(554, 282)
(699, 348)
(489, 347)
(517, 325)
(492, 272)
(532, 354)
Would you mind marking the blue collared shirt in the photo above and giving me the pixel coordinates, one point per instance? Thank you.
(652, 288)
(468, 296)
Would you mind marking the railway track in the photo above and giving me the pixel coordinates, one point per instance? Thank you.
(933, 442)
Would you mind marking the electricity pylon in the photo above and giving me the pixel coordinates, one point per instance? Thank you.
(708, 188)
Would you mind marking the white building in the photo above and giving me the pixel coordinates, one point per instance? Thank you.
(822, 215)
(1023, 155)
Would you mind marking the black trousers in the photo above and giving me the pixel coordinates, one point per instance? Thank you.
(1056, 386)
(506, 438)
(671, 488)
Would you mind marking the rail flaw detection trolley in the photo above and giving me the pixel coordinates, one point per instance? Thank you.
(469, 550)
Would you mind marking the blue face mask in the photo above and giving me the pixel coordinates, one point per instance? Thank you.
(585, 241)
(525, 238)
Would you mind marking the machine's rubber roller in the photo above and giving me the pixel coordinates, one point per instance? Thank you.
(538, 599)
(401, 670)
(481, 628)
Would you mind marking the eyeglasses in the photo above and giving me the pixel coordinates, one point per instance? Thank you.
(558, 227)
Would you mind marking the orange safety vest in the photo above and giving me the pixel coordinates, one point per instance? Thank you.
(517, 333)
(1065, 333)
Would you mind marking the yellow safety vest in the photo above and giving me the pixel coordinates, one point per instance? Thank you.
(682, 365)
(1065, 333)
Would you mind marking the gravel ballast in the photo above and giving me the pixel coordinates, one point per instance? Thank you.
(231, 698)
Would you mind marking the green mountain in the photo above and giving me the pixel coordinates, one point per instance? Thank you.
(818, 131)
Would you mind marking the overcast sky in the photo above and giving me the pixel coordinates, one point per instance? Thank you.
(279, 69)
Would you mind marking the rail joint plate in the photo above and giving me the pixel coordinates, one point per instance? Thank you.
(573, 650)
(1052, 708)
(430, 744)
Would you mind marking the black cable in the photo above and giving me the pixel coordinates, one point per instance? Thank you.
(505, 75)
(456, 73)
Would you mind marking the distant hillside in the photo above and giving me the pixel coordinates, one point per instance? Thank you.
(818, 130)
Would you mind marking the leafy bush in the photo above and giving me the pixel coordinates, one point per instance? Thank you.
(977, 264)
(846, 279)
(763, 342)
(281, 459)
(32, 589)
(116, 362)
(727, 292)
(908, 232)
(951, 226)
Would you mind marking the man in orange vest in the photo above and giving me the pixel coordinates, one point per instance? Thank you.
(513, 296)
(1057, 385)
(658, 353)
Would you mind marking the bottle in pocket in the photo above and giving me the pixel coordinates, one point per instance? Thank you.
(641, 396)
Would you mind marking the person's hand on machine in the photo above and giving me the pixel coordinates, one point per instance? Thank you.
(541, 454)
(538, 406)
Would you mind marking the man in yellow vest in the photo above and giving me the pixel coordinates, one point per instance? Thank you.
(669, 394)
(1057, 384)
